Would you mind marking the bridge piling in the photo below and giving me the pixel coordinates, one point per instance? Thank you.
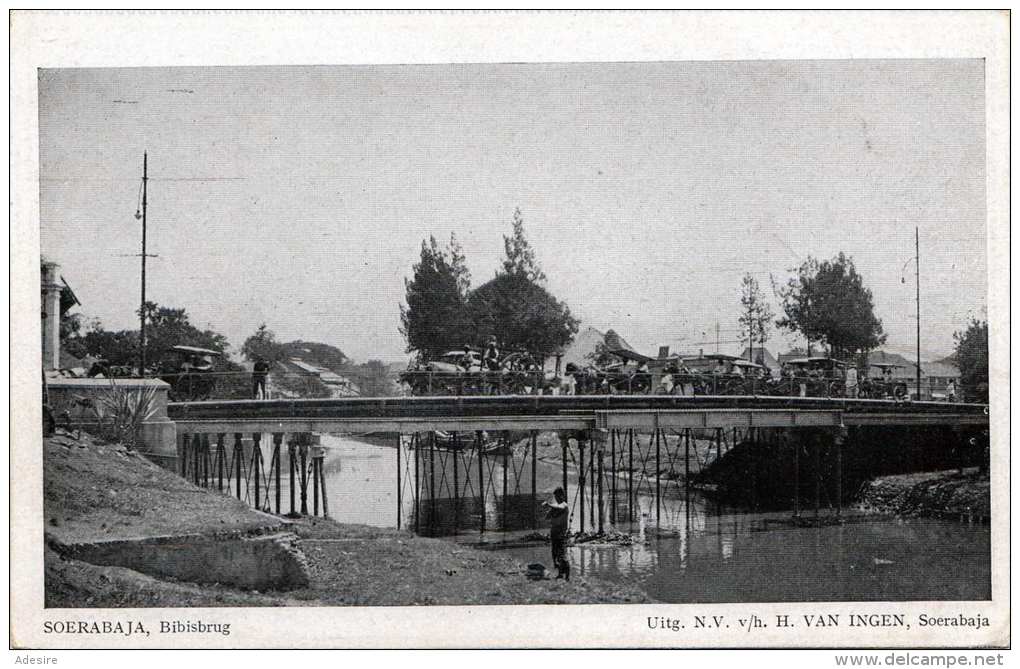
(630, 475)
(506, 449)
(581, 478)
(564, 450)
(416, 443)
(534, 479)
(600, 474)
(220, 458)
(316, 462)
(456, 482)
(256, 459)
(612, 472)
(796, 474)
(481, 476)
(303, 452)
(292, 453)
(400, 489)
(277, 443)
(818, 472)
(658, 505)
(238, 458)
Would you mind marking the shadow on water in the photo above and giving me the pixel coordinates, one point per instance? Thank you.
(687, 548)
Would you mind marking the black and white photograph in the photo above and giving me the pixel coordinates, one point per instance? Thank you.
(685, 340)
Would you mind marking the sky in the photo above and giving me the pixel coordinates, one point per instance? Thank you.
(299, 196)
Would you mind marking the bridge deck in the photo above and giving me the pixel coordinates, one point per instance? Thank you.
(546, 412)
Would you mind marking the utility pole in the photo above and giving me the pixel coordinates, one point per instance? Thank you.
(717, 336)
(917, 278)
(141, 310)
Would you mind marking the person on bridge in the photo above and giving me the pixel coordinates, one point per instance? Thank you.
(851, 381)
(259, 375)
(491, 357)
(558, 513)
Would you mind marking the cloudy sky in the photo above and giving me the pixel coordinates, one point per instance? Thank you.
(299, 196)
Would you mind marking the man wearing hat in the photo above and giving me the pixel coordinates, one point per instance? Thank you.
(491, 357)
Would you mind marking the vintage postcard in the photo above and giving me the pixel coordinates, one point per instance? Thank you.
(510, 330)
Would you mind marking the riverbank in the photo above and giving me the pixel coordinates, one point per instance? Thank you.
(942, 494)
(96, 494)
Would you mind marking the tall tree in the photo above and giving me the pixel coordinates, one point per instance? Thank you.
(756, 315)
(827, 302)
(520, 257)
(458, 263)
(972, 358)
(263, 344)
(522, 315)
(515, 308)
(436, 317)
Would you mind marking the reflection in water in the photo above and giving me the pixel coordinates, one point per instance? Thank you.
(699, 551)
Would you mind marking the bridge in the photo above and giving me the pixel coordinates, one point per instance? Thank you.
(459, 457)
(562, 412)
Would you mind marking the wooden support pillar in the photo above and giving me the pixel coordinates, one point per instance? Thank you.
(432, 481)
(303, 452)
(581, 478)
(277, 444)
(565, 450)
(238, 461)
(221, 456)
(534, 479)
(315, 485)
(196, 449)
(796, 474)
(506, 468)
(658, 504)
(256, 457)
(630, 475)
(292, 452)
(601, 452)
(400, 488)
(416, 445)
(481, 477)
(322, 486)
(456, 483)
(592, 476)
(752, 439)
(612, 473)
(839, 470)
(817, 444)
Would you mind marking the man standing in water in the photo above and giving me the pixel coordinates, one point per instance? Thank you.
(558, 514)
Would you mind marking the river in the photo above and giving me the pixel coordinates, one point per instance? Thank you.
(700, 551)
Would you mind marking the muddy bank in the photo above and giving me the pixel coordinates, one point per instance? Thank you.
(944, 494)
(99, 496)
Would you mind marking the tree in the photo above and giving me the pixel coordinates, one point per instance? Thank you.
(520, 257)
(756, 318)
(436, 316)
(263, 344)
(972, 358)
(827, 302)
(167, 327)
(522, 315)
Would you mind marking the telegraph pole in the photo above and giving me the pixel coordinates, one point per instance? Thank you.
(141, 310)
(917, 278)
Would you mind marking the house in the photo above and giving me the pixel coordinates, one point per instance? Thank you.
(584, 345)
(936, 377)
